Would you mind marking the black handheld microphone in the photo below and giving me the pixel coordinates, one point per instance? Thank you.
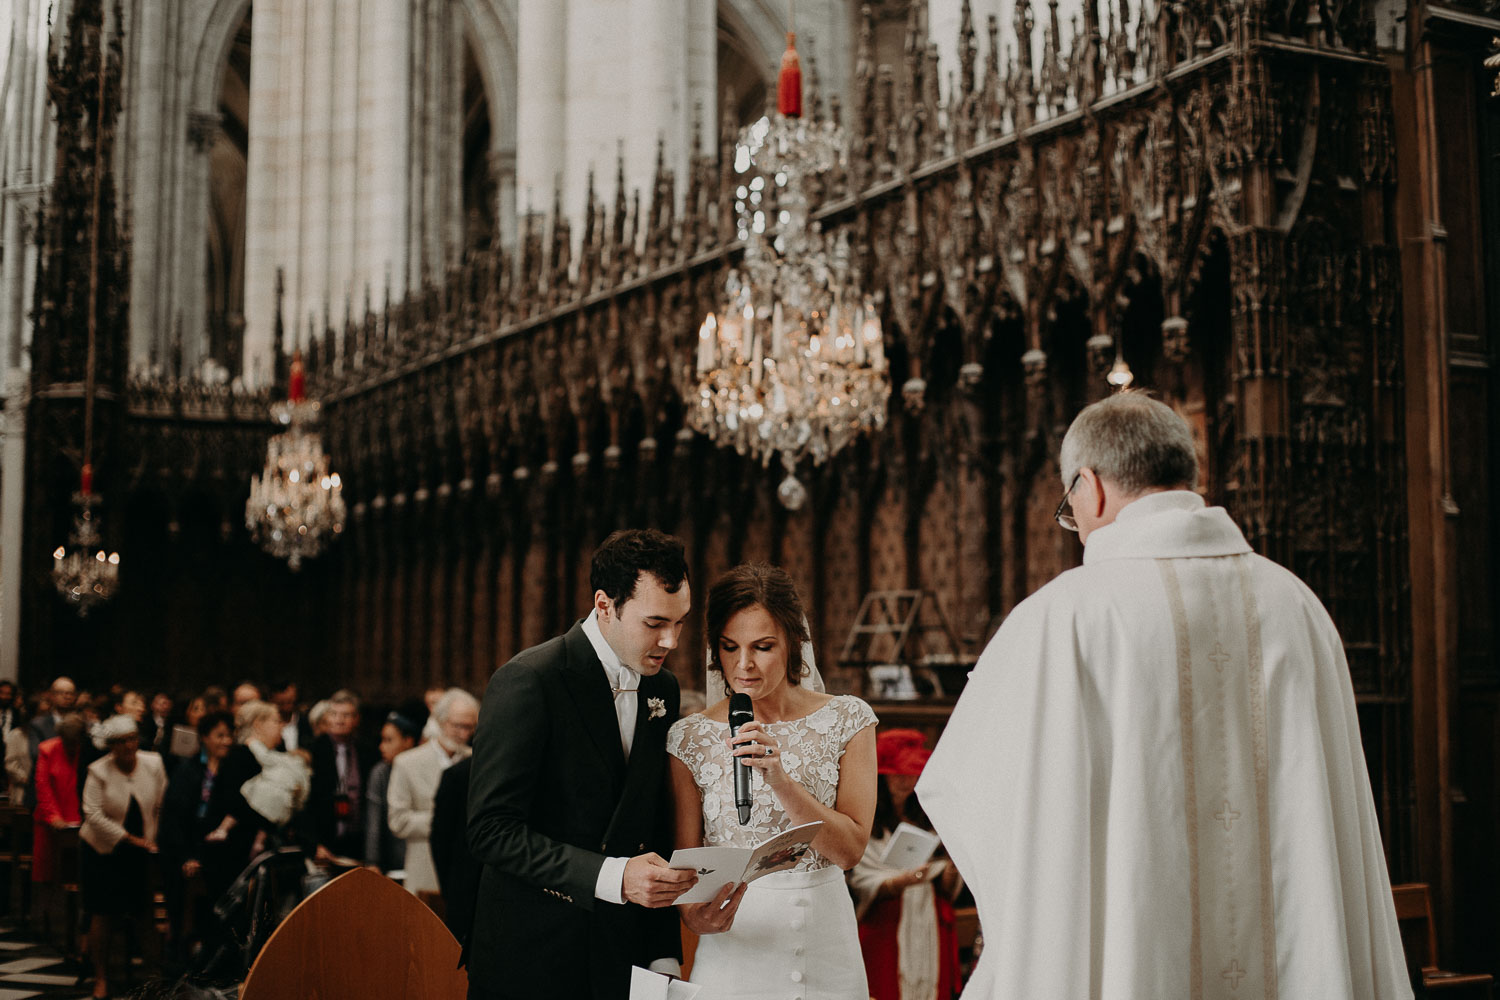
(741, 712)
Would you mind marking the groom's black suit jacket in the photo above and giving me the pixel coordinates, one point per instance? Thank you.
(550, 797)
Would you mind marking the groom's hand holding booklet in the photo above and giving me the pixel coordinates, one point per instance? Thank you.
(721, 866)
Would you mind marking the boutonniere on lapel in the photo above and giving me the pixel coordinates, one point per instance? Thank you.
(657, 707)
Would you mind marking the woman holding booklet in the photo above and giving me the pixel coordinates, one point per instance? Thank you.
(790, 933)
(903, 896)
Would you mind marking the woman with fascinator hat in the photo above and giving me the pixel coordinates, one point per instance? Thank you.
(791, 933)
(906, 916)
(400, 732)
(122, 798)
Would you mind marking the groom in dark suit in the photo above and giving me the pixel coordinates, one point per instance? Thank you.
(568, 798)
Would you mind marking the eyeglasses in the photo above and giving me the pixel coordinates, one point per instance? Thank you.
(1067, 520)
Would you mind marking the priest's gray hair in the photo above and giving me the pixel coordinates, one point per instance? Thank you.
(451, 698)
(1132, 440)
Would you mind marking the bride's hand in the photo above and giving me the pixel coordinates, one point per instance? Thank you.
(759, 749)
(715, 916)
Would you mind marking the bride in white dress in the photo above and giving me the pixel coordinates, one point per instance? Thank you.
(791, 934)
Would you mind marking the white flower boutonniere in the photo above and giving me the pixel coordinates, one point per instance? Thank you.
(657, 706)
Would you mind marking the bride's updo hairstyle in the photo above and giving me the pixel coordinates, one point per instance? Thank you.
(770, 587)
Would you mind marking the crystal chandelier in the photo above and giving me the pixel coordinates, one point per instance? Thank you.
(296, 505)
(793, 364)
(84, 573)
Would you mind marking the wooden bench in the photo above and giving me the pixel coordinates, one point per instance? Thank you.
(15, 856)
(1419, 940)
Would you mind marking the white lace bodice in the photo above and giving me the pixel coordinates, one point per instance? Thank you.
(811, 750)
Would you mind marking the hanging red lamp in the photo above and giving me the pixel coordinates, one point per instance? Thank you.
(789, 82)
(296, 380)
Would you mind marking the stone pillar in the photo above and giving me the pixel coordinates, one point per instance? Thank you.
(657, 92)
(12, 504)
(503, 171)
(152, 244)
(541, 85)
(702, 97)
(189, 315)
(26, 164)
(327, 188)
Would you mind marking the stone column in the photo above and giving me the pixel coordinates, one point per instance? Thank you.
(12, 504)
(152, 251)
(503, 172)
(381, 251)
(25, 164)
(541, 84)
(327, 188)
(190, 311)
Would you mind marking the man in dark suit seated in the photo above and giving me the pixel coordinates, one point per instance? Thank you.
(334, 818)
(569, 811)
(457, 871)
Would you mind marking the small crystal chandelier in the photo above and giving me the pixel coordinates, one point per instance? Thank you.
(84, 573)
(793, 364)
(296, 505)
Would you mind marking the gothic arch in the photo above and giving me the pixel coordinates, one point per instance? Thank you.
(491, 28)
(760, 26)
(492, 25)
(214, 43)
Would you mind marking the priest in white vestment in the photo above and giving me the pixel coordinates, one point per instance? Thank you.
(1153, 781)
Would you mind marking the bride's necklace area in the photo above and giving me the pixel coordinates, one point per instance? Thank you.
(790, 708)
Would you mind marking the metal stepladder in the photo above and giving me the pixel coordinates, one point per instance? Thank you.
(907, 650)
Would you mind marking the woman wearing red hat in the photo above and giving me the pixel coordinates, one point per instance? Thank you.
(906, 915)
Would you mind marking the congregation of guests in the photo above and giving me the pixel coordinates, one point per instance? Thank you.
(133, 793)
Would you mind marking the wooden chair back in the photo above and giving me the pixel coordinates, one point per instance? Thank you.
(1418, 929)
(1419, 942)
(360, 937)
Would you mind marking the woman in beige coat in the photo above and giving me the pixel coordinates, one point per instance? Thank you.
(121, 807)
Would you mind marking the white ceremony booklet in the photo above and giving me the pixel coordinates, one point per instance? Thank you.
(646, 985)
(721, 866)
(909, 847)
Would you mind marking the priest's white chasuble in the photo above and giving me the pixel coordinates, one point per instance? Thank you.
(1155, 786)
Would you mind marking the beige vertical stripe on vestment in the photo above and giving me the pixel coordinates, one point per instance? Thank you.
(1189, 765)
(1260, 736)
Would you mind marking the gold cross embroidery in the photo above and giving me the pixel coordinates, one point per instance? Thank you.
(1234, 974)
(1218, 657)
(1227, 815)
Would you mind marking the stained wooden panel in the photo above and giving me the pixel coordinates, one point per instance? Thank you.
(504, 620)
(970, 613)
(887, 541)
(1050, 549)
(938, 547)
(842, 587)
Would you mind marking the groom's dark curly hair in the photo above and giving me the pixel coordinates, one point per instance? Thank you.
(625, 555)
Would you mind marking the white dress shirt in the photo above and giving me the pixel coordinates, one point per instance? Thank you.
(621, 679)
(609, 886)
(289, 734)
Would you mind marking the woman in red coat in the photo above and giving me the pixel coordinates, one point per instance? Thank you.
(57, 806)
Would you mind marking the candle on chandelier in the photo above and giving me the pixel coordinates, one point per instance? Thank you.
(872, 339)
(747, 331)
(778, 345)
(755, 359)
(707, 338)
